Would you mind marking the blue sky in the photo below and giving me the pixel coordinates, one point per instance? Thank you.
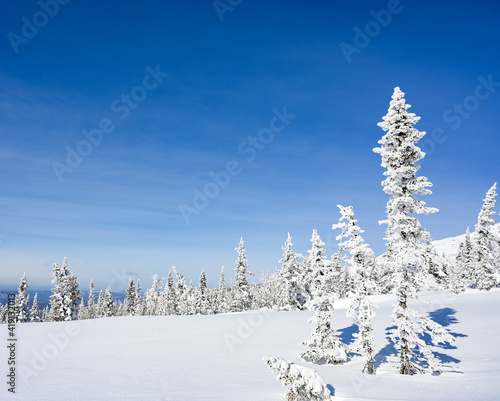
(116, 213)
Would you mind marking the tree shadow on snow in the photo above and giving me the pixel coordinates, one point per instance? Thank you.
(347, 334)
(332, 390)
(443, 316)
(389, 350)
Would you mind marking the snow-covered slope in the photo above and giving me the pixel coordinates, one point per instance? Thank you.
(220, 357)
(449, 246)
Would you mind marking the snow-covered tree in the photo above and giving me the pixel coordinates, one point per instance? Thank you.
(462, 274)
(203, 301)
(323, 343)
(242, 299)
(291, 278)
(57, 307)
(169, 298)
(130, 299)
(437, 266)
(91, 312)
(305, 383)
(188, 301)
(82, 310)
(313, 266)
(406, 239)
(108, 306)
(152, 297)
(485, 245)
(66, 295)
(221, 305)
(46, 314)
(139, 309)
(100, 305)
(22, 302)
(35, 310)
(74, 294)
(360, 263)
(181, 293)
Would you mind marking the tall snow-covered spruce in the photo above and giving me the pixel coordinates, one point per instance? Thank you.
(406, 239)
(361, 263)
(242, 299)
(462, 274)
(290, 278)
(22, 302)
(323, 344)
(485, 245)
(313, 266)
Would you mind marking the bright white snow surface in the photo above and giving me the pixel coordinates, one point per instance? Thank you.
(449, 246)
(220, 357)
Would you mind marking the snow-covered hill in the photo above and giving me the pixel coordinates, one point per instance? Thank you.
(220, 357)
(449, 246)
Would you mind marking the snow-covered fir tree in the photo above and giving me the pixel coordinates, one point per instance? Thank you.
(100, 305)
(35, 316)
(169, 301)
(437, 266)
(82, 310)
(139, 309)
(152, 297)
(313, 266)
(360, 263)
(462, 273)
(130, 304)
(21, 305)
(221, 294)
(182, 293)
(57, 307)
(65, 294)
(203, 300)
(74, 294)
(108, 306)
(485, 245)
(344, 286)
(290, 278)
(188, 302)
(242, 299)
(323, 344)
(305, 383)
(405, 235)
(91, 312)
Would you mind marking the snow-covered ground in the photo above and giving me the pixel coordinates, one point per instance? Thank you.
(449, 246)
(220, 357)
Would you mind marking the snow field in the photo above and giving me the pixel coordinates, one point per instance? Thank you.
(219, 357)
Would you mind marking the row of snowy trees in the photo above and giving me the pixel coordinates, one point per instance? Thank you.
(300, 283)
